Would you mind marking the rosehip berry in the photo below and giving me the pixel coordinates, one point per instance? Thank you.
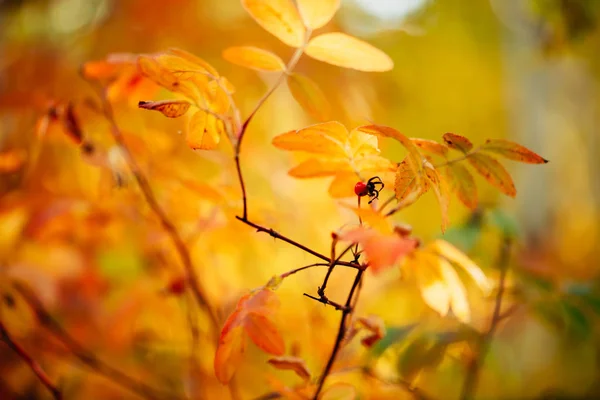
(361, 189)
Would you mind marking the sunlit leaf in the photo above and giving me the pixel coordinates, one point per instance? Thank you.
(463, 184)
(458, 142)
(317, 13)
(169, 108)
(494, 173)
(458, 297)
(326, 138)
(431, 146)
(254, 58)
(431, 283)
(310, 97)
(264, 333)
(313, 167)
(278, 17)
(382, 250)
(295, 364)
(346, 51)
(512, 151)
(456, 256)
(202, 133)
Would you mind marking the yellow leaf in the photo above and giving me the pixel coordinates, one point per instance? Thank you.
(463, 184)
(440, 188)
(313, 168)
(278, 17)
(202, 133)
(457, 142)
(264, 333)
(349, 52)
(458, 295)
(254, 58)
(339, 391)
(430, 281)
(431, 146)
(309, 96)
(326, 138)
(373, 219)
(169, 108)
(494, 173)
(291, 363)
(12, 160)
(193, 63)
(454, 255)
(343, 185)
(317, 13)
(513, 151)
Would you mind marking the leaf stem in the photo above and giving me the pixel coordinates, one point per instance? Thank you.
(485, 340)
(33, 365)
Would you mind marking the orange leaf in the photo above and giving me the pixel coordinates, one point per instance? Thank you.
(313, 168)
(457, 142)
(152, 70)
(375, 325)
(339, 391)
(254, 58)
(12, 160)
(346, 51)
(202, 131)
(406, 182)
(431, 146)
(264, 333)
(252, 316)
(193, 62)
(494, 173)
(512, 151)
(413, 159)
(440, 188)
(317, 13)
(291, 363)
(169, 108)
(310, 97)
(382, 250)
(343, 185)
(278, 17)
(463, 184)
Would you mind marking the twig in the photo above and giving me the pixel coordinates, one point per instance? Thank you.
(158, 211)
(33, 365)
(83, 355)
(279, 236)
(334, 261)
(238, 148)
(472, 375)
(340, 335)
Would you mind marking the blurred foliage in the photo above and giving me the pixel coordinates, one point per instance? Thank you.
(83, 238)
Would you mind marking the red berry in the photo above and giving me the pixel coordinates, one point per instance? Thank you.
(360, 189)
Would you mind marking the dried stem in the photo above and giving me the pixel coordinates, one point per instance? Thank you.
(85, 356)
(485, 340)
(33, 365)
(347, 310)
(158, 211)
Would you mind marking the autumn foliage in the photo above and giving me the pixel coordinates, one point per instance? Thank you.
(226, 323)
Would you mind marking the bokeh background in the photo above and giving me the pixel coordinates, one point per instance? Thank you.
(524, 70)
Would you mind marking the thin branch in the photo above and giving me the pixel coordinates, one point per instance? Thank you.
(158, 211)
(85, 356)
(238, 148)
(334, 261)
(294, 271)
(279, 236)
(340, 335)
(472, 376)
(33, 365)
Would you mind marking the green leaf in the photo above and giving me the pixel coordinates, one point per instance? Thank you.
(504, 222)
(394, 335)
